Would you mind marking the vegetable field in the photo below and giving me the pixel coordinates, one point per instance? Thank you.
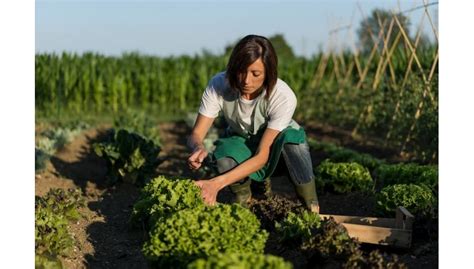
(106, 220)
(113, 189)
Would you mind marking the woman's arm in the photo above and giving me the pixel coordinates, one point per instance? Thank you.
(195, 141)
(211, 187)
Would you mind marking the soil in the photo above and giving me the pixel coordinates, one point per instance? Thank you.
(104, 238)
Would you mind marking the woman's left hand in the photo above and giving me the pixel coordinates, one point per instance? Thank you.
(209, 190)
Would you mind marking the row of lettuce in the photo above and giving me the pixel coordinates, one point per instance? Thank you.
(183, 232)
(54, 213)
(410, 185)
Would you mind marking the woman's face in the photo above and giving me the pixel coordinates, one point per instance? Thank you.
(253, 79)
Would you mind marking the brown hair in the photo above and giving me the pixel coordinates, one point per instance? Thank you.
(247, 51)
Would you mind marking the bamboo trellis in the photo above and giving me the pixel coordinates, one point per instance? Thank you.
(381, 55)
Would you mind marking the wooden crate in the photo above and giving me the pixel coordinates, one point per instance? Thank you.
(382, 231)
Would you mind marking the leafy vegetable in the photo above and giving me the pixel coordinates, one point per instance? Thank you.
(298, 227)
(47, 262)
(195, 233)
(373, 260)
(241, 260)
(41, 158)
(401, 173)
(161, 197)
(52, 215)
(331, 240)
(343, 177)
(130, 157)
(415, 198)
(341, 154)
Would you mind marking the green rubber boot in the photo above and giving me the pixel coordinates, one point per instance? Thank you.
(242, 192)
(307, 193)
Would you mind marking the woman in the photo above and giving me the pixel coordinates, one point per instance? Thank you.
(258, 108)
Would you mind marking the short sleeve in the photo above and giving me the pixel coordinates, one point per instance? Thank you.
(210, 101)
(281, 109)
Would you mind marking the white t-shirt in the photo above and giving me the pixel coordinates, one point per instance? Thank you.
(281, 105)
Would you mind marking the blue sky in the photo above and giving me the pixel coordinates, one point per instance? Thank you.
(166, 28)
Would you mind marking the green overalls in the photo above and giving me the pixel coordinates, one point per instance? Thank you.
(241, 145)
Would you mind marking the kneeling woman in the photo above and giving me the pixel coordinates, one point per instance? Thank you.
(258, 108)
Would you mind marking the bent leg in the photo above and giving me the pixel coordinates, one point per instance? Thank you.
(300, 168)
(241, 189)
(298, 161)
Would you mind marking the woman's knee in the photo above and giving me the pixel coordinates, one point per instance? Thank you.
(298, 162)
(297, 151)
(225, 164)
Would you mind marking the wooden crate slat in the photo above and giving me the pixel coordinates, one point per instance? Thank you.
(371, 221)
(379, 235)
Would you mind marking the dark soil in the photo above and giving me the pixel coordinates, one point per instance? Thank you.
(104, 238)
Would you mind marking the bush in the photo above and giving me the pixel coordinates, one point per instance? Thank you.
(415, 198)
(343, 177)
(297, 228)
(401, 173)
(162, 196)
(130, 157)
(241, 260)
(195, 233)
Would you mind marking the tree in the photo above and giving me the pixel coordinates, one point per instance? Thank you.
(368, 32)
(283, 50)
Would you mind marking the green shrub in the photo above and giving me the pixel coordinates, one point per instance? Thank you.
(241, 260)
(298, 227)
(163, 196)
(390, 174)
(343, 177)
(130, 157)
(195, 233)
(415, 198)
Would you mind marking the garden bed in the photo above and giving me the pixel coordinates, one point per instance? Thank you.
(104, 238)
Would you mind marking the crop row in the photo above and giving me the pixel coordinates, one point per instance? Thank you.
(185, 233)
(411, 185)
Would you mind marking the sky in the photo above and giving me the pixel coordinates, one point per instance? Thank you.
(164, 27)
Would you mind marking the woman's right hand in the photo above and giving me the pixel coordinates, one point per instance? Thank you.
(196, 158)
